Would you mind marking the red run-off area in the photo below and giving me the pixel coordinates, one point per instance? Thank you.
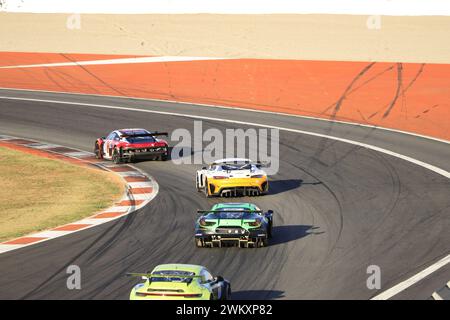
(412, 97)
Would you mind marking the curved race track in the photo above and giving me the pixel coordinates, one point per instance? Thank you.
(338, 209)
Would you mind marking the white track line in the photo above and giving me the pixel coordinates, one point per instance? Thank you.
(414, 279)
(436, 296)
(385, 295)
(113, 61)
(143, 184)
(240, 109)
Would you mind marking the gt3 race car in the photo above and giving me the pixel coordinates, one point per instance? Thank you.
(232, 177)
(126, 145)
(180, 282)
(241, 224)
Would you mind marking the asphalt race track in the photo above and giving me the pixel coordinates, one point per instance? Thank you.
(338, 209)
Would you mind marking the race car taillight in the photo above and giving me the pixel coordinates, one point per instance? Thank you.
(163, 294)
(219, 177)
(255, 223)
(205, 223)
(258, 176)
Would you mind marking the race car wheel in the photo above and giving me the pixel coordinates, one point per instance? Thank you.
(207, 189)
(264, 243)
(97, 151)
(269, 231)
(116, 157)
(165, 156)
(199, 243)
(228, 295)
(197, 184)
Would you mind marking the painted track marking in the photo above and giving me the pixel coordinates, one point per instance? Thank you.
(414, 279)
(114, 61)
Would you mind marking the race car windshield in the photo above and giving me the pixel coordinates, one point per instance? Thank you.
(172, 276)
(146, 139)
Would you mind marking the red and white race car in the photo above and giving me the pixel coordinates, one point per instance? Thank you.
(126, 145)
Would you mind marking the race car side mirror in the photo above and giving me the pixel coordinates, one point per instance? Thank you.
(103, 138)
(269, 212)
(204, 168)
(219, 278)
(144, 278)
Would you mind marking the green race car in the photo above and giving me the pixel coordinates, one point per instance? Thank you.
(180, 282)
(241, 224)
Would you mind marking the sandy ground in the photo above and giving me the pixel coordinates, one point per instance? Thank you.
(309, 37)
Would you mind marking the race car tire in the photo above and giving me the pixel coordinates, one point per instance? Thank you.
(197, 184)
(116, 157)
(269, 231)
(207, 195)
(264, 243)
(199, 243)
(228, 295)
(97, 151)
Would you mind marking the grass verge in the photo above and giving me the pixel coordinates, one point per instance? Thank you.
(39, 193)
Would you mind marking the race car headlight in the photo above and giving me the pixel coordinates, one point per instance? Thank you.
(258, 176)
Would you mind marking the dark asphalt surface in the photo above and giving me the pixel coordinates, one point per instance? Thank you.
(338, 209)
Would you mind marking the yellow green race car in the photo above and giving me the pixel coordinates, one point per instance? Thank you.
(180, 282)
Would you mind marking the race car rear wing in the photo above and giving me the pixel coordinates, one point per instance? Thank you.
(156, 133)
(149, 275)
(259, 164)
(215, 211)
(150, 134)
(263, 163)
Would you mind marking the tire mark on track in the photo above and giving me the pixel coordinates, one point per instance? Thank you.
(333, 195)
(337, 105)
(398, 90)
(396, 192)
(418, 74)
